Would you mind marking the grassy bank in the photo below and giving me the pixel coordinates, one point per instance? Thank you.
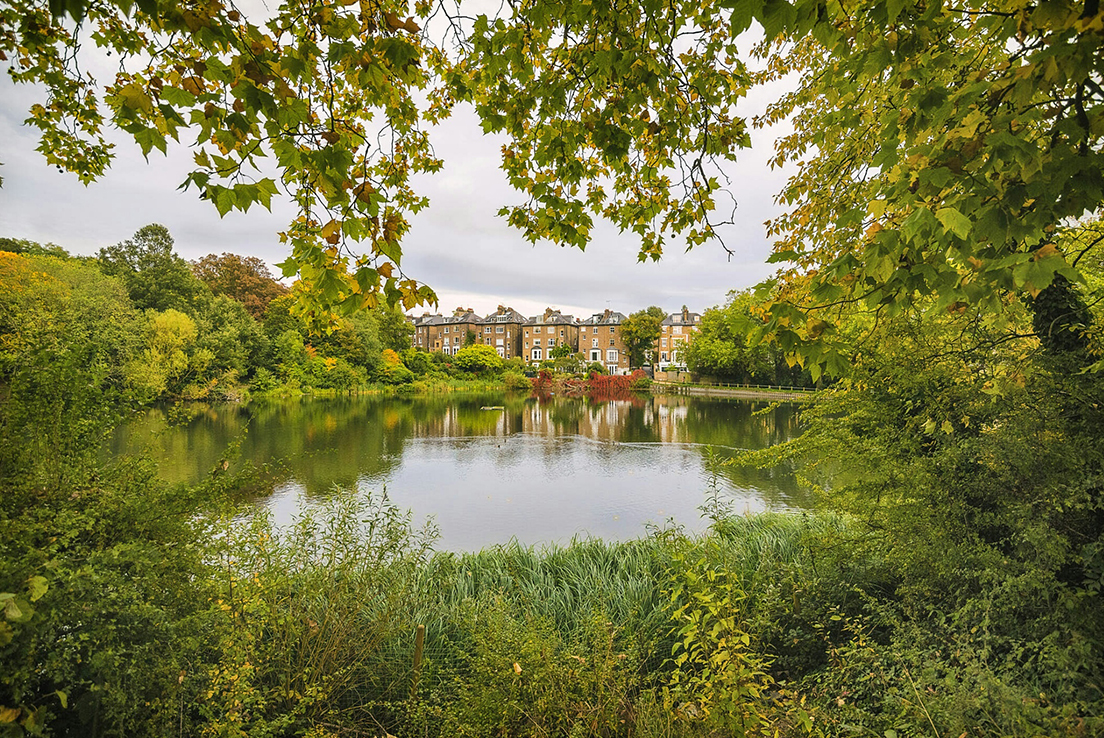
(422, 386)
(134, 623)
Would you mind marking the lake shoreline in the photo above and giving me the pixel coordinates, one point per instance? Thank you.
(746, 393)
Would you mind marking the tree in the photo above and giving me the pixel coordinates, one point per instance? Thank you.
(943, 149)
(155, 277)
(561, 351)
(333, 96)
(31, 248)
(942, 175)
(242, 278)
(395, 329)
(478, 359)
(68, 335)
(719, 348)
(640, 333)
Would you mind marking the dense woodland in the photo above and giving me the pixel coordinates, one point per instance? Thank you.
(939, 262)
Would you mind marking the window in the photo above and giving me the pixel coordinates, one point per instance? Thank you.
(611, 356)
(536, 354)
(537, 329)
(663, 356)
(446, 329)
(678, 329)
(594, 343)
(499, 329)
(455, 340)
(611, 328)
(611, 342)
(499, 343)
(536, 342)
(595, 355)
(526, 344)
(561, 331)
(499, 350)
(663, 342)
(487, 329)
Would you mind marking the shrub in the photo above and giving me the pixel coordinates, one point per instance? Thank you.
(478, 360)
(263, 380)
(516, 381)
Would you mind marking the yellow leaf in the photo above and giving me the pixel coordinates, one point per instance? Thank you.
(9, 714)
(1044, 251)
(330, 230)
(517, 668)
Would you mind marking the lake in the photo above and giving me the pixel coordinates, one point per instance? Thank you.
(538, 470)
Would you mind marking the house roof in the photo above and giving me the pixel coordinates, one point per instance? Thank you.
(505, 315)
(553, 317)
(686, 318)
(429, 320)
(606, 317)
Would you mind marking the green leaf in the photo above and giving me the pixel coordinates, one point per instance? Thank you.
(36, 587)
(954, 221)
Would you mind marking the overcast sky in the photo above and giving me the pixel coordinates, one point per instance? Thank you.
(459, 246)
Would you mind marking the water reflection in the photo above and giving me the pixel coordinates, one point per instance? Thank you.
(536, 469)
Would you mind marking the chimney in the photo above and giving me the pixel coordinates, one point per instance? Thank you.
(685, 314)
(606, 314)
(548, 313)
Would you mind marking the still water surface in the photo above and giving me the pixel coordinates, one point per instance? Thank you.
(536, 470)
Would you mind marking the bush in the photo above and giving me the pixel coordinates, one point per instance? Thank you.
(419, 362)
(478, 360)
(263, 380)
(392, 370)
(516, 381)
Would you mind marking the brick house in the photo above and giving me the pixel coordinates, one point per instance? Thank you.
(446, 334)
(545, 332)
(503, 329)
(457, 327)
(600, 340)
(674, 332)
(427, 332)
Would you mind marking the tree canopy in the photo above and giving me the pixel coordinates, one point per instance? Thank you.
(640, 332)
(243, 278)
(154, 276)
(944, 149)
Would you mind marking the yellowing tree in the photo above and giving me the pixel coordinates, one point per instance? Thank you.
(944, 147)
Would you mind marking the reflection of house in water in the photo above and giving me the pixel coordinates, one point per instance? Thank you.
(670, 418)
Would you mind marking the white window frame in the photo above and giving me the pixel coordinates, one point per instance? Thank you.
(537, 354)
(611, 356)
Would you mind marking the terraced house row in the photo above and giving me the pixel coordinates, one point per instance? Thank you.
(534, 339)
